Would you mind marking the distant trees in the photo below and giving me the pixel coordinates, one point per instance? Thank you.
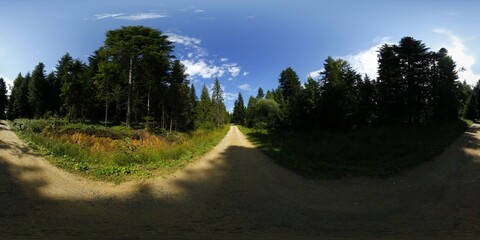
(3, 98)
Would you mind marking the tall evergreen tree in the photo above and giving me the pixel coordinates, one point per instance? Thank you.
(3, 98)
(260, 93)
(37, 91)
(128, 46)
(218, 105)
(204, 111)
(413, 58)
(239, 111)
(290, 88)
(179, 97)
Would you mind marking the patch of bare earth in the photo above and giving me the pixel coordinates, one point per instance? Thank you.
(235, 191)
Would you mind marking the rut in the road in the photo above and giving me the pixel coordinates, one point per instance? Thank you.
(236, 190)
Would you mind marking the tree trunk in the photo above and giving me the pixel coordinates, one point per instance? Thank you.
(148, 101)
(171, 121)
(163, 115)
(129, 92)
(106, 104)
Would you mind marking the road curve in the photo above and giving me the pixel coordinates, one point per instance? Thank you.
(235, 191)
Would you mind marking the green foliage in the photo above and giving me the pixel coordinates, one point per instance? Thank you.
(3, 98)
(373, 152)
(263, 113)
(127, 159)
(239, 111)
(37, 91)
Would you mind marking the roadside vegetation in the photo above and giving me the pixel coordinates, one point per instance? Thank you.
(114, 153)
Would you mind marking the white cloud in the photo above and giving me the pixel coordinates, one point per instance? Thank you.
(245, 87)
(197, 61)
(184, 40)
(233, 69)
(200, 68)
(245, 73)
(132, 17)
(364, 62)
(199, 11)
(108, 15)
(315, 74)
(458, 51)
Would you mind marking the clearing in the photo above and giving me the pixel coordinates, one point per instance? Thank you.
(236, 191)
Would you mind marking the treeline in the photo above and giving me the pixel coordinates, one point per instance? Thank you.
(414, 86)
(132, 79)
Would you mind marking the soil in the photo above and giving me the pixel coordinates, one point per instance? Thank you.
(236, 192)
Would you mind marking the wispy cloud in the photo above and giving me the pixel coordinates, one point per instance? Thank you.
(245, 73)
(460, 55)
(198, 63)
(245, 87)
(131, 17)
(184, 40)
(108, 15)
(199, 11)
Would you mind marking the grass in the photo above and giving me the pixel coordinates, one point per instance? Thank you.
(115, 153)
(369, 151)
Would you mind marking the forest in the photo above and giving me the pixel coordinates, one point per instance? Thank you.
(341, 123)
(132, 79)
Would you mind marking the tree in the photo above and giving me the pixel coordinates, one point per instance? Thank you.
(260, 93)
(308, 105)
(37, 91)
(239, 111)
(263, 113)
(413, 55)
(54, 88)
(128, 47)
(367, 101)
(445, 88)
(218, 105)
(179, 96)
(77, 89)
(204, 112)
(391, 90)
(290, 88)
(339, 93)
(3, 98)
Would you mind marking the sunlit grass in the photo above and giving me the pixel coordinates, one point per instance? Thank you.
(115, 153)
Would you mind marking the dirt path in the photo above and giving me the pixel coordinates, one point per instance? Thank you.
(235, 191)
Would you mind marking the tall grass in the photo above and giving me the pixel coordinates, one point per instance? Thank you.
(117, 152)
(373, 152)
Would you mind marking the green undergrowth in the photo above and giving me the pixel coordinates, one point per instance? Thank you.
(372, 152)
(114, 153)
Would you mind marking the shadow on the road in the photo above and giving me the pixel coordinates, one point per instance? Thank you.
(241, 194)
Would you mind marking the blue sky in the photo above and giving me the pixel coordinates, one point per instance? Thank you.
(245, 43)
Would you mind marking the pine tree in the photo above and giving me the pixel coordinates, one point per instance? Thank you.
(204, 112)
(218, 105)
(37, 91)
(239, 111)
(179, 96)
(3, 98)
(260, 93)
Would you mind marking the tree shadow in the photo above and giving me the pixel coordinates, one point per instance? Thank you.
(240, 193)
